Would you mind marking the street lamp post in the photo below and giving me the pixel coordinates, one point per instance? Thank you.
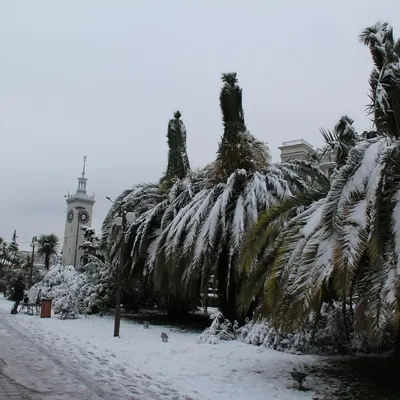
(80, 210)
(33, 244)
(120, 220)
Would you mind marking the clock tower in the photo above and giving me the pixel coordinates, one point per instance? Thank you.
(79, 213)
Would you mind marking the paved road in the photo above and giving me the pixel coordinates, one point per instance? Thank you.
(29, 371)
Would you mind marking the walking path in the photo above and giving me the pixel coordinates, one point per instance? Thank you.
(12, 391)
(52, 359)
(33, 368)
(29, 371)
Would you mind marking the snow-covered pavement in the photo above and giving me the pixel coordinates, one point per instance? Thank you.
(30, 359)
(31, 370)
(10, 390)
(81, 359)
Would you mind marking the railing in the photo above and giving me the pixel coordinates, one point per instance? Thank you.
(79, 195)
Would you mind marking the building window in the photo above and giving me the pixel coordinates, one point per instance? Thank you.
(71, 228)
(69, 250)
(65, 240)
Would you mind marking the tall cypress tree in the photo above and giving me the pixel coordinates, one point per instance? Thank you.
(13, 250)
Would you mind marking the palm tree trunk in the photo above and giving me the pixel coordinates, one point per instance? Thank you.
(227, 293)
(351, 300)
(222, 281)
(232, 296)
(346, 325)
(397, 344)
(316, 321)
(47, 261)
(177, 306)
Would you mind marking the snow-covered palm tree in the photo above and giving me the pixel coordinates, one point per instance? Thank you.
(143, 197)
(384, 80)
(204, 238)
(47, 247)
(339, 142)
(345, 244)
(154, 205)
(190, 226)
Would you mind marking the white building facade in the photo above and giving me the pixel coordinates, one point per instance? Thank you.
(79, 213)
(302, 150)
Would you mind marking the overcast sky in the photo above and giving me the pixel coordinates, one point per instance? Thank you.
(102, 78)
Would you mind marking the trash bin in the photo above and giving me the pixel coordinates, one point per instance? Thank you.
(45, 309)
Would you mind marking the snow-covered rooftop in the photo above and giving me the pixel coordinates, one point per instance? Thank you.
(296, 143)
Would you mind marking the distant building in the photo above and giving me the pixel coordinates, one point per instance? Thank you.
(296, 150)
(302, 150)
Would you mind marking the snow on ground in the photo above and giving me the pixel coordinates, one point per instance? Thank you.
(139, 365)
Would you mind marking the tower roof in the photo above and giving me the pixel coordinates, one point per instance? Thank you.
(81, 192)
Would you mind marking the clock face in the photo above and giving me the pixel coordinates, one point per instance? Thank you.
(83, 216)
(70, 216)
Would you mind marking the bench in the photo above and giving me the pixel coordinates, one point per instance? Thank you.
(32, 301)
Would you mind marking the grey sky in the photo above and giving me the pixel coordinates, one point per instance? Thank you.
(102, 78)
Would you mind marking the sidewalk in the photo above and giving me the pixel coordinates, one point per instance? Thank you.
(29, 371)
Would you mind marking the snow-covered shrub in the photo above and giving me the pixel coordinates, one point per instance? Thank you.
(90, 247)
(220, 329)
(96, 281)
(261, 333)
(330, 336)
(95, 287)
(38, 273)
(60, 285)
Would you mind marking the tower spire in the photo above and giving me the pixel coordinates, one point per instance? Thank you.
(81, 190)
(84, 166)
